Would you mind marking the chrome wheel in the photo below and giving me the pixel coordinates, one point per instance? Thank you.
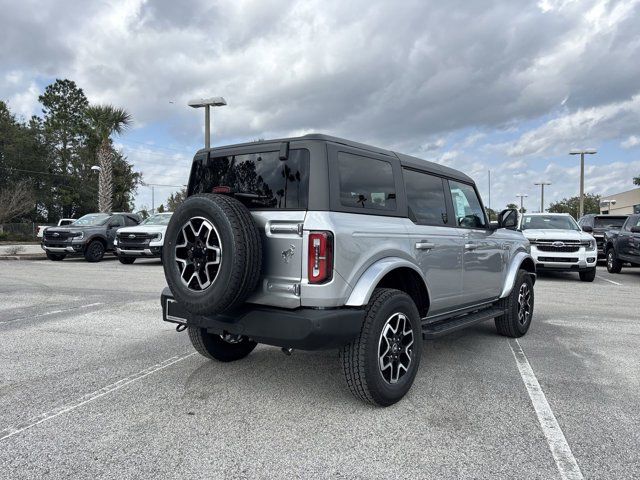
(524, 304)
(395, 347)
(198, 254)
(610, 260)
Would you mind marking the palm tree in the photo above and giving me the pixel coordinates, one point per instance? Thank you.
(106, 120)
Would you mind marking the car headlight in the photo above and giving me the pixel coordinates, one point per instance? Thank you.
(158, 236)
(78, 235)
(115, 241)
(592, 245)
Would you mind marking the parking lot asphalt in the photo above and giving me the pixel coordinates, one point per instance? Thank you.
(94, 384)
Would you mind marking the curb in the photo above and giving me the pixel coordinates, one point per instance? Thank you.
(30, 256)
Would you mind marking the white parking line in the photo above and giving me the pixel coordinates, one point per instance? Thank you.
(565, 461)
(607, 280)
(52, 312)
(11, 431)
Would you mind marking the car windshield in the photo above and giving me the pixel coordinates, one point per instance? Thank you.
(548, 222)
(92, 219)
(609, 222)
(161, 219)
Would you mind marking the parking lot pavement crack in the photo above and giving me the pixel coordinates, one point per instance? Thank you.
(14, 430)
(562, 455)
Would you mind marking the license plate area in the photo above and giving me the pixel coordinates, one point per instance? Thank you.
(174, 313)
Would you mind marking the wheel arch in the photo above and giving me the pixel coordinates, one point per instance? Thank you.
(521, 260)
(392, 272)
(100, 238)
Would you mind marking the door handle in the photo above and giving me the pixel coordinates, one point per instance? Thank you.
(425, 245)
(470, 246)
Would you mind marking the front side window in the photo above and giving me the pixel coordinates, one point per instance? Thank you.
(117, 221)
(366, 183)
(425, 196)
(466, 205)
(259, 180)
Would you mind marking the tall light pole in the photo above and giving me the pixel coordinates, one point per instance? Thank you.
(542, 184)
(582, 153)
(153, 185)
(207, 103)
(522, 196)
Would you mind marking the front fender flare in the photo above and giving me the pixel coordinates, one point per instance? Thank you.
(367, 282)
(516, 262)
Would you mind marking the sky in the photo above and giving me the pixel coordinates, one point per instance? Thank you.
(506, 86)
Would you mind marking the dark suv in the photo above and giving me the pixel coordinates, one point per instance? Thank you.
(91, 236)
(596, 225)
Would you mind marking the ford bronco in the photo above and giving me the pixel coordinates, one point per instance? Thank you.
(317, 242)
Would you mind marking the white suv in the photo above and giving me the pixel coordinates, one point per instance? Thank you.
(144, 240)
(558, 243)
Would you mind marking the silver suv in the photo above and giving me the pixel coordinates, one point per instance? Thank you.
(317, 242)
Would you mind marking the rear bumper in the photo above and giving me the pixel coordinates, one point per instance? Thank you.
(302, 328)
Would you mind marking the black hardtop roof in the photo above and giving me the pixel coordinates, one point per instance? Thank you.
(405, 160)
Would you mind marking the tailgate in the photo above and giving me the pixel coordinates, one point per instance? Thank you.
(282, 256)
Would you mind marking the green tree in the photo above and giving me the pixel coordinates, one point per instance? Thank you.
(106, 120)
(175, 199)
(572, 205)
(492, 214)
(512, 206)
(160, 209)
(636, 180)
(66, 134)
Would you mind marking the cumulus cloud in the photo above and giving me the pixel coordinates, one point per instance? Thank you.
(405, 75)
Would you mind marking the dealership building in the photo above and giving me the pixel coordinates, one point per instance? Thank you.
(621, 203)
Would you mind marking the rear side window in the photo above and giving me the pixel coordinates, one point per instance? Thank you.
(259, 180)
(130, 221)
(366, 183)
(425, 197)
(466, 205)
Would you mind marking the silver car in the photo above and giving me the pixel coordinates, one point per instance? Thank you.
(318, 242)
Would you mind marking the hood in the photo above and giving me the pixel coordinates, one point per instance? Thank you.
(553, 234)
(144, 229)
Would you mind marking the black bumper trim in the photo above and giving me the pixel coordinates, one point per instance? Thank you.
(302, 328)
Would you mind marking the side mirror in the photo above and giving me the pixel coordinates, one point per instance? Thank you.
(508, 218)
(587, 228)
(635, 229)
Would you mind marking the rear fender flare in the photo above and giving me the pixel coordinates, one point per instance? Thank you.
(368, 281)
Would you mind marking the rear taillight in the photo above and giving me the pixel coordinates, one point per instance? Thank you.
(320, 257)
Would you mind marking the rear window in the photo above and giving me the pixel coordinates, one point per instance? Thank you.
(259, 180)
(608, 222)
(366, 183)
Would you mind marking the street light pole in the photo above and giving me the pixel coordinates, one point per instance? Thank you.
(522, 197)
(542, 184)
(207, 103)
(582, 153)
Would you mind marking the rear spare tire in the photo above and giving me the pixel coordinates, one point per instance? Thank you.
(212, 254)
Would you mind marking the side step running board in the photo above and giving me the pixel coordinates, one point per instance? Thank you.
(443, 327)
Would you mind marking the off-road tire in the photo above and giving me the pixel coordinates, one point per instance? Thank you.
(214, 347)
(360, 358)
(94, 251)
(509, 324)
(588, 275)
(241, 256)
(56, 257)
(613, 264)
(126, 260)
